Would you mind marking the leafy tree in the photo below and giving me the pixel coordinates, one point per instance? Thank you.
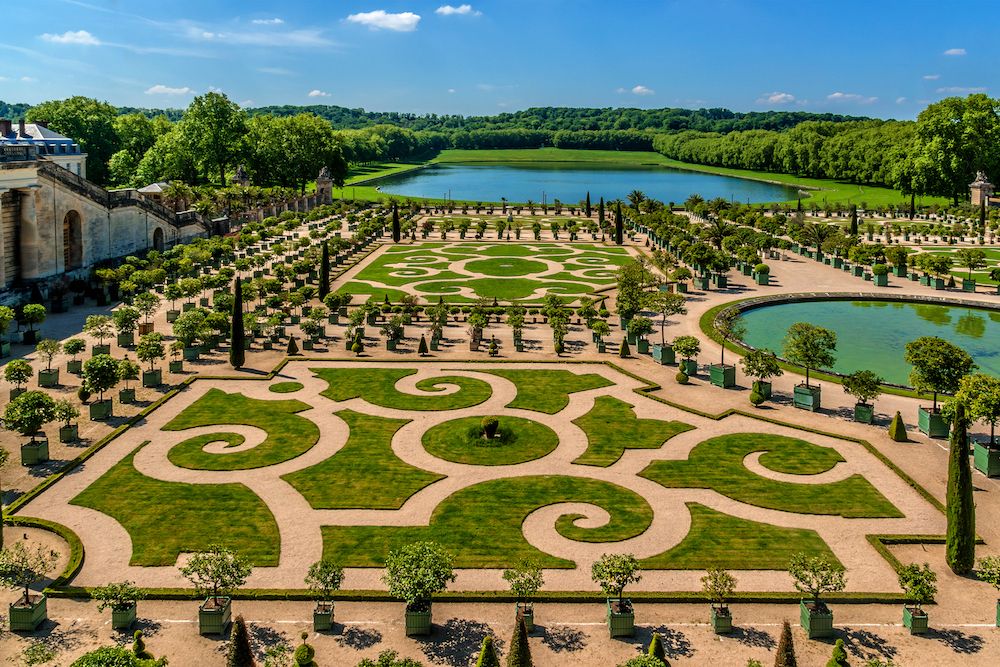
(415, 572)
(810, 346)
(325, 577)
(47, 349)
(117, 595)
(214, 126)
(918, 583)
(613, 572)
(981, 395)
(33, 313)
(730, 326)
(239, 654)
(989, 571)
(29, 412)
(20, 567)
(520, 652)
(65, 411)
(146, 303)
(126, 319)
(525, 580)
(217, 571)
(98, 326)
(89, 122)
(687, 346)
(237, 336)
(17, 372)
(150, 349)
(488, 654)
(643, 660)
(816, 575)
(785, 656)
(971, 258)
(718, 586)
(761, 363)
(960, 545)
(863, 385)
(6, 317)
(666, 304)
(938, 366)
(101, 373)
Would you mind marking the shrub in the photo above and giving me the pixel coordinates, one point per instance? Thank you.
(762, 269)
(681, 377)
(897, 429)
(139, 646)
(880, 269)
(786, 650)
(422, 347)
(960, 549)
(29, 412)
(756, 398)
(656, 649)
(304, 655)
(240, 654)
(623, 351)
(293, 347)
(643, 661)
(520, 653)
(17, 372)
(83, 393)
(490, 425)
(839, 657)
(488, 654)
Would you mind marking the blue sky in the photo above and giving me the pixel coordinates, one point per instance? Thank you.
(883, 58)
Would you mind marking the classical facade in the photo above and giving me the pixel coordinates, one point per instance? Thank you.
(53, 146)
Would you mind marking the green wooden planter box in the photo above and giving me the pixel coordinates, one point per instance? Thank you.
(15, 392)
(4, 349)
(525, 611)
(621, 624)
(435, 343)
(100, 349)
(864, 413)
(689, 366)
(126, 396)
(176, 366)
(817, 622)
(702, 282)
(642, 346)
(987, 459)
(807, 398)
(857, 271)
(968, 285)
(998, 614)
(838, 262)
(126, 339)
(307, 344)
(763, 388)
(418, 623)
(722, 620)
(74, 366)
(915, 620)
(215, 620)
(683, 288)
(601, 347)
(391, 345)
(938, 283)
(664, 354)
(191, 353)
(48, 378)
(881, 281)
(323, 616)
(762, 278)
(721, 281)
(932, 424)
(27, 618)
(152, 378)
(899, 271)
(172, 316)
(35, 453)
(100, 410)
(122, 619)
(69, 433)
(722, 376)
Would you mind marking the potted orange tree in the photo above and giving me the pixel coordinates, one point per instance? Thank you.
(66, 412)
(938, 367)
(26, 414)
(20, 567)
(47, 349)
(122, 598)
(414, 573)
(919, 587)
(816, 575)
(718, 586)
(730, 327)
(811, 347)
(525, 581)
(613, 572)
(215, 573)
(864, 386)
(325, 578)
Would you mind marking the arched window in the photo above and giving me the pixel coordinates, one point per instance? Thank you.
(158, 239)
(72, 241)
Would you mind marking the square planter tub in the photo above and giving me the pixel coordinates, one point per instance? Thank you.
(722, 376)
(664, 354)
(418, 623)
(69, 433)
(932, 424)
(100, 410)
(525, 611)
(122, 619)
(915, 619)
(864, 413)
(816, 620)
(621, 623)
(807, 398)
(35, 453)
(987, 459)
(214, 620)
(323, 616)
(722, 620)
(27, 618)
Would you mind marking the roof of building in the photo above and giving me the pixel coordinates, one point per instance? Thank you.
(33, 133)
(154, 188)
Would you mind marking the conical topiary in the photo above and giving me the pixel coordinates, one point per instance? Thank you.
(624, 352)
(488, 654)
(240, 654)
(520, 654)
(960, 548)
(839, 657)
(422, 348)
(324, 272)
(656, 648)
(786, 650)
(293, 347)
(897, 429)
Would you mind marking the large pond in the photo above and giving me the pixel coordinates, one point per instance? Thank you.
(873, 334)
(570, 183)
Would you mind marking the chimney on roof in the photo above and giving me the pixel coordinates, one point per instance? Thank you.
(21, 133)
(5, 127)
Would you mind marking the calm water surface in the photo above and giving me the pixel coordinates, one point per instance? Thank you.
(873, 334)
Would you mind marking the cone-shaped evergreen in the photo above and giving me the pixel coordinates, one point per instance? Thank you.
(656, 648)
(798, 206)
(520, 654)
(293, 347)
(600, 213)
(786, 651)
(587, 205)
(395, 223)
(624, 352)
(897, 429)
(488, 654)
(422, 347)
(839, 657)
(619, 224)
(324, 272)
(237, 355)
(960, 550)
(239, 654)
(854, 219)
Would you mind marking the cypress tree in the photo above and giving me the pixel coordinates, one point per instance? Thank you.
(854, 219)
(324, 272)
(600, 213)
(656, 648)
(422, 348)
(897, 429)
(619, 224)
(237, 355)
(488, 654)
(395, 223)
(839, 657)
(798, 206)
(587, 207)
(786, 650)
(913, 208)
(293, 347)
(960, 550)
(239, 654)
(624, 352)
(982, 217)
(520, 654)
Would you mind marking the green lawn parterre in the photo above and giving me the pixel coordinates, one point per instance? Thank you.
(612, 427)
(545, 390)
(518, 440)
(378, 387)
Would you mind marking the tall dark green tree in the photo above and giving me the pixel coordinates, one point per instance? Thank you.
(237, 355)
(854, 219)
(520, 654)
(324, 272)
(960, 549)
(600, 213)
(587, 205)
(395, 223)
(240, 653)
(619, 225)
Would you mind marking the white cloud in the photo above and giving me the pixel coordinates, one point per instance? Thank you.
(274, 21)
(961, 90)
(619, 90)
(247, 103)
(160, 89)
(383, 20)
(461, 10)
(272, 38)
(28, 79)
(316, 92)
(642, 90)
(776, 98)
(851, 97)
(931, 77)
(77, 37)
(901, 100)
(955, 52)
(451, 90)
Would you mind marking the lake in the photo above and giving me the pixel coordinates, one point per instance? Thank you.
(873, 334)
(570, 182)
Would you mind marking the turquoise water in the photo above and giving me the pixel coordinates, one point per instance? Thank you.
(873, 334)
(570, 183)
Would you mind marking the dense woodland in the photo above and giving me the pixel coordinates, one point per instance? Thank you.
(938, 154)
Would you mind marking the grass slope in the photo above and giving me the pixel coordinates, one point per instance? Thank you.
(731, 543)
(288, 435)
(547, 390)
(461, 441)
(365, 473)
(378, 387)
(481, 524)
(718, 464)
(165, 519)
(606, 423)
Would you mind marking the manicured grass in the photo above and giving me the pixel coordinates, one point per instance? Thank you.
(378, 387)
(731, 543)
(612, 427)
(365, 473)
(545, 390)
(285, 387)
(506, 266)
(166, 519)
(518, 440)
(481, 524)
(288, 435)
(718, 464)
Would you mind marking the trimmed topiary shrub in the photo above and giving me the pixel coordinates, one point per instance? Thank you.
(897, 429)
(756, 398)
(520, 654)
(681, 377)
(490, 425)
(656, 649)
(293, 347)
(422, 347)
(623, 351)
(488, 654)
(786, 649)
(139, 646)
(839, 657)
(305, 653)
(240, 653)
(643, 661)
